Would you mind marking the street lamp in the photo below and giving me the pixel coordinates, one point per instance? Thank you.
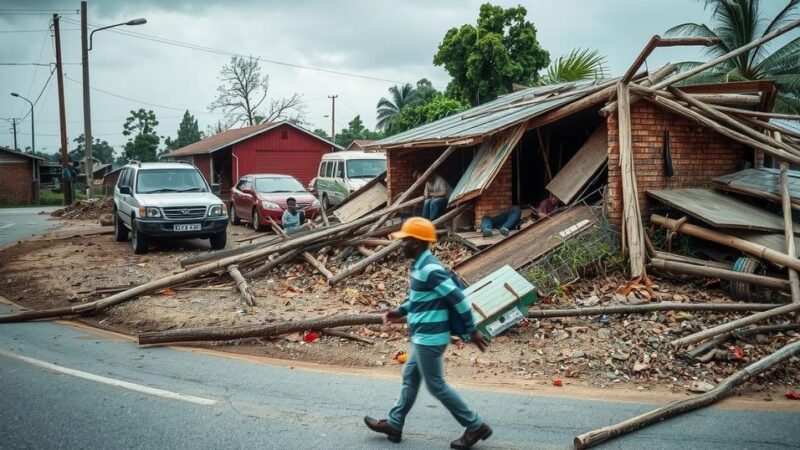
(33, 140)
(86, 45)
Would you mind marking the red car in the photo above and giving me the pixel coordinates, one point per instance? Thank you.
(257, 197)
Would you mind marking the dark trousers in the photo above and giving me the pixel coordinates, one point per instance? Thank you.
(432, 208)
(508, 219)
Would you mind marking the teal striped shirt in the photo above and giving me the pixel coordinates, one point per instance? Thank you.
(433, 296)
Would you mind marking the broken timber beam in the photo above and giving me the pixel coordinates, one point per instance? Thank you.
(272, 263)
(732, 325)
(658, 75)
(786, 204)
(714, 272)
(648, 308)
(241, 284)
(306, 255)
(740, 334)
(250, 331)
(658, 41)
(724, 389)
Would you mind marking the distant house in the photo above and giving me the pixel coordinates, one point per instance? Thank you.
(50, 175)
(278, 147)
(359, 145)
(19, 177)
(99, 170)
(110, 180)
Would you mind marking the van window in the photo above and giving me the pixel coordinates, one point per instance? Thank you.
(365, 168)
(322, 168)
(125, 179)
(340, 169)
(122, 176)
(329, 169)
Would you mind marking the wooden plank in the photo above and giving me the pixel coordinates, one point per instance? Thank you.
(526, 245)
(476, 240)
(720, 210)
(580, 169)
(366, 202)
(762, 180)
(775, 241)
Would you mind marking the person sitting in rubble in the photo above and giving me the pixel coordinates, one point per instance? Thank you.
(505, 221)
(292, 218)
(548, 205)
(437, 191)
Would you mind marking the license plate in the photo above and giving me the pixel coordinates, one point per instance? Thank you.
(187, 227)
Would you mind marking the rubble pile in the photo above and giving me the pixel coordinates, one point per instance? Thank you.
(91, 209)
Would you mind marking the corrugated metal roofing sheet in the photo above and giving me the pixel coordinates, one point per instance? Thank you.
(791, 125)
(490, 117)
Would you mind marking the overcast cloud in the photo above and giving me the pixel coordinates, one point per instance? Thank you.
(392, 41)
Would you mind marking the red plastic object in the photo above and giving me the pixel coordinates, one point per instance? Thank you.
(793, 395)
(558, 382)
(311, 336)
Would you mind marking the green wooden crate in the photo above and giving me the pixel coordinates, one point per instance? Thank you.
(500, 300)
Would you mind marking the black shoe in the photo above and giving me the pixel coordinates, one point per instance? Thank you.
(382, 426)
(467, 440)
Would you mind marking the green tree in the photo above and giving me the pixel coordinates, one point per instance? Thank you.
(485, 60)
(322, 133)
(355, 130)
(736, 23)
(101, 150)
(143, 141)
(578, 65)
(388, 109)
(188, 133)
(414, 116)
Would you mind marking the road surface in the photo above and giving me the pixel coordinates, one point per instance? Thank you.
(22, 223)
(67, 387)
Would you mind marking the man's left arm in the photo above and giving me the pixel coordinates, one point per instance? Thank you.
(442, 283)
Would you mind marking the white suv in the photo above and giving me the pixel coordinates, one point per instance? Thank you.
(166, 200)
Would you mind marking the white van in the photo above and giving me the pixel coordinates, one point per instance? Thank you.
(342, 173)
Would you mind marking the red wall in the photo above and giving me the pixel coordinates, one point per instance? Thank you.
(298, 154)
(203, 163)
(16, 185)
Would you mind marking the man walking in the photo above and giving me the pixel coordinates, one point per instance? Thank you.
(435, 306)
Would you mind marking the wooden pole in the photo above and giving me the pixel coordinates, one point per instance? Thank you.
(545, 151)
(755, 250)
(766, 115)
(732, 325)
(690, 260)
(241, 284)
(658, 41)
(271, 264)
(634, 232)
(740, 334)
(648, 308)
(786, 203)
(249, 331)
(713, 272)
(658, 75)
(724, 389)
(315, 263)
(62, 115)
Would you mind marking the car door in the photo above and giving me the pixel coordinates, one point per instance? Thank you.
(125, 200)
(247, 198)
(236, 198)
(340, 184)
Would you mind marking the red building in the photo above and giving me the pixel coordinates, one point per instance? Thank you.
(278, 147)
(19, 177)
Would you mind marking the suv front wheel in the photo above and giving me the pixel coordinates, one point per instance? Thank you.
(138, 240)
(219, 240)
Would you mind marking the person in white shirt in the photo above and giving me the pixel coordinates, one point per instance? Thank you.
(292, 218)
(437, 192)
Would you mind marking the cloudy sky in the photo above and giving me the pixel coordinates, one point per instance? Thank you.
(371, 45)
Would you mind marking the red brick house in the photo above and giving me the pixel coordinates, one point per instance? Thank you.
(278, 147)
(19, 175)
(511, 150)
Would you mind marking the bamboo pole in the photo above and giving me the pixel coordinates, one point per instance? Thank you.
(766, 115)
(732, 325)
(658, 41)
(250, 331)
(713, 272)
(648, 308)
(740, 334)
(724, 389)
(241, 284)
(634, 233)
(271, 264)
(690, 260)
(786, 203)
(758, 251)
(315, 263)
(795, 204)
(658, 75)
(193, 261)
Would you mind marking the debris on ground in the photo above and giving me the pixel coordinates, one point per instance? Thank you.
(91, 209)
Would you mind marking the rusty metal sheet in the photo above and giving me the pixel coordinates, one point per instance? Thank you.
(527, 245)
(487, 162)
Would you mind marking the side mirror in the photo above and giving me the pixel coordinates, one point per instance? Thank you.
(248, 191)
(215, 189)
(125, 190)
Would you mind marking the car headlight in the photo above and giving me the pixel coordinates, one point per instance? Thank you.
(315, 204)
(217, 210)
(269, 205)
(149, 212)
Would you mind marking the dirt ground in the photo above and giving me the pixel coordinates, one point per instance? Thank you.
(625, 352)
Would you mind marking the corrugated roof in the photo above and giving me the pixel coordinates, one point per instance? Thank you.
(24, 155)
(230, 137)
(360, 143)
(491, 117)
(791, 125)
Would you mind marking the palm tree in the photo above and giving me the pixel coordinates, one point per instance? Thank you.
(580, 64)
(736, 23)
(388, 110)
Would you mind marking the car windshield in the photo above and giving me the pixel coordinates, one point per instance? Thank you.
(267, 185)
(365, 168)
(157, 181)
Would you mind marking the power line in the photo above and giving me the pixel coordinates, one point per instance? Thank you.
(37, 31)
(22, 64)
(229, 53)
(46, 83)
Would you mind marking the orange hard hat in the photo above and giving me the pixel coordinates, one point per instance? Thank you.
(418, 228)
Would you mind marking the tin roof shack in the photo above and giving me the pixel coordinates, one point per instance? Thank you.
(19, 177)
(277, 147)
(519, 148)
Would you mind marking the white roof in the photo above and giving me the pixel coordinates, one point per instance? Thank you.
(161, 165)
(353, 154)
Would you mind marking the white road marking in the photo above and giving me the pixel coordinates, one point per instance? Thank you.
(111, 381)
(6, 226)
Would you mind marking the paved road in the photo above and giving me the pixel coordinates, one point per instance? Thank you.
(22, 223)
(203, 401)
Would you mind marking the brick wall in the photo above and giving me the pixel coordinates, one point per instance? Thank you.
(497, 197)
(15, 183)
(698, 155)
(400, 166)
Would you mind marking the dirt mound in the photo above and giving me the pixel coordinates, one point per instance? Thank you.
(91, 209)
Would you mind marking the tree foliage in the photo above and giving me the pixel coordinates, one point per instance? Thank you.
(101, 150)
(438, 108)
(388, 109)
(579, 65)
(188, 133)
(322, 133)
(736, 23)
(143, 141)
(484, 60)
(242, 94)
(355, 131)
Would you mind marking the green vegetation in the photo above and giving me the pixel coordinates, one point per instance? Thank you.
(188, 133)
(355, 130)
(143, 145)
(578, 65)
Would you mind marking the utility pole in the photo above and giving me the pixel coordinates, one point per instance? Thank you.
(333, 117)
(14, 126)
(62, 117)
(87, 107)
